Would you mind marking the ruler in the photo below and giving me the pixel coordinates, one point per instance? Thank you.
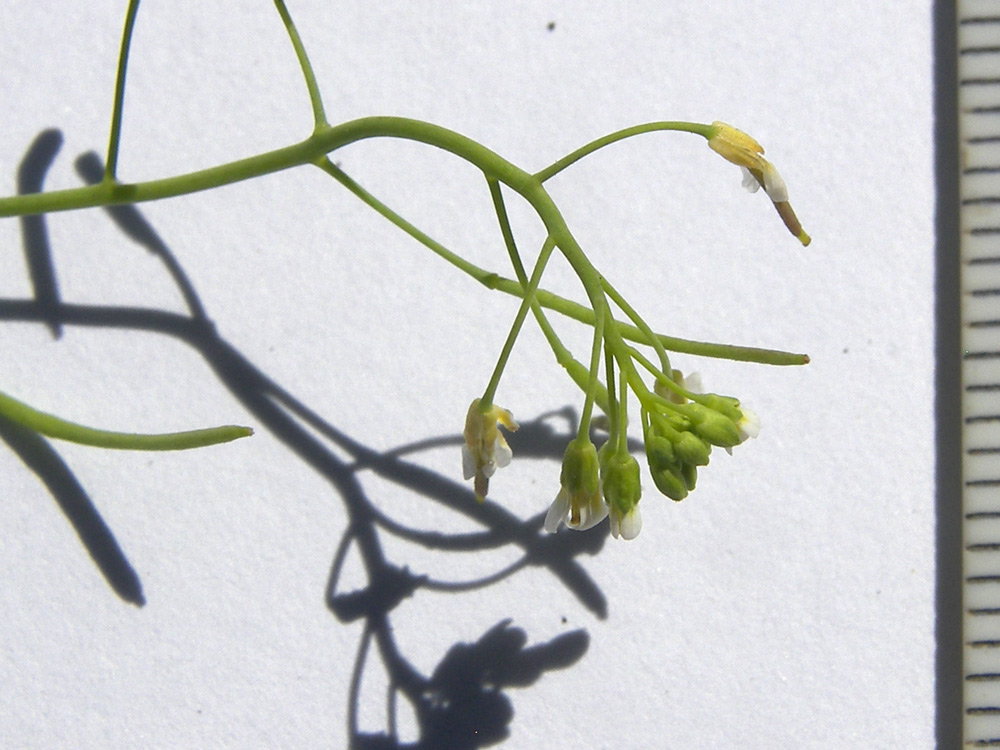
(978, 46)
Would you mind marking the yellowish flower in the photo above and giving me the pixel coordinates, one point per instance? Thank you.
(485, 448)
(739, 148)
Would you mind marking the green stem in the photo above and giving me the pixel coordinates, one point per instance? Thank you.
(575, 369)
(109, 193)
(620, 135)
(319, 115)
(508, 234)
(536, 275)
(551, 301)
(639, 323)
(323, 141)
(54, 427)
(613, 399)
(622, 414)
(111, 165)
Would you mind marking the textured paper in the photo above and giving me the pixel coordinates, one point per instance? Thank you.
(786, 603)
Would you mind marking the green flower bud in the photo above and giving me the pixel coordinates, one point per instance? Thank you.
(690, 474)
(713, 426)
(622, 490)
(692, 449)
(579, 503)
(670, 482)
(659, 451)
(664, 467)
(580, 469)
(726, 405)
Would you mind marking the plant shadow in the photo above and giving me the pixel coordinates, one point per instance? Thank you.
(462, 703)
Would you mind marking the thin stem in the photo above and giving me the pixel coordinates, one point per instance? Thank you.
(575, 369)
(639, 322)
(536, 275)
(620, 135)
(613, 403)
(311, 151)
(660, 375)
(315, 98)
(508, 235)
(622, 413)
(484, 277)
(54, 427)
(111, 165)
(547, 299)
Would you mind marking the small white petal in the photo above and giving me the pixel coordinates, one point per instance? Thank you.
(693, 382)
(749, 425)
(774, 186)
(749, 181)
(489, 468)
(501, 452)
(468, 463)
(630, 526)
(557, 511)
(590, 515)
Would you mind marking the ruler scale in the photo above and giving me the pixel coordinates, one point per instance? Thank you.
(978, 25)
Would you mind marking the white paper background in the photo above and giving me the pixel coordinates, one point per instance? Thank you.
(787, 603)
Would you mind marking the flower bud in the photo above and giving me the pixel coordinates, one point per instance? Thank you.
(726, 405)
(690, 474)
(622, 490)
(579, 503)
(713, 426)
(664, 467)
(691, 449)
(670, 482)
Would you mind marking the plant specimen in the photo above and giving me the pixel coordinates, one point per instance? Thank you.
(627, 366)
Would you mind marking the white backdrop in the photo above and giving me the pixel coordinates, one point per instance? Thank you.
(786, 603)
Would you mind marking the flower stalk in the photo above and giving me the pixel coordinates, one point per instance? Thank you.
(679, 425)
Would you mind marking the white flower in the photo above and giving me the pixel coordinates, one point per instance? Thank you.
(739, 148)
(579, 503)
(749, 424)
(579, 513)
(485, 448)
(626, 526)
(773, 183)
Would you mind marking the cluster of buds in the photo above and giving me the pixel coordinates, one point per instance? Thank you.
(680, 425)
(680, 428)
(679, 434)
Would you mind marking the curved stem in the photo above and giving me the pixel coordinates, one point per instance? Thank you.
(319, 115)
(547, 299)
(639, 323)
(111, 165)
(620, 135)
(54, 427)
(313, 149)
